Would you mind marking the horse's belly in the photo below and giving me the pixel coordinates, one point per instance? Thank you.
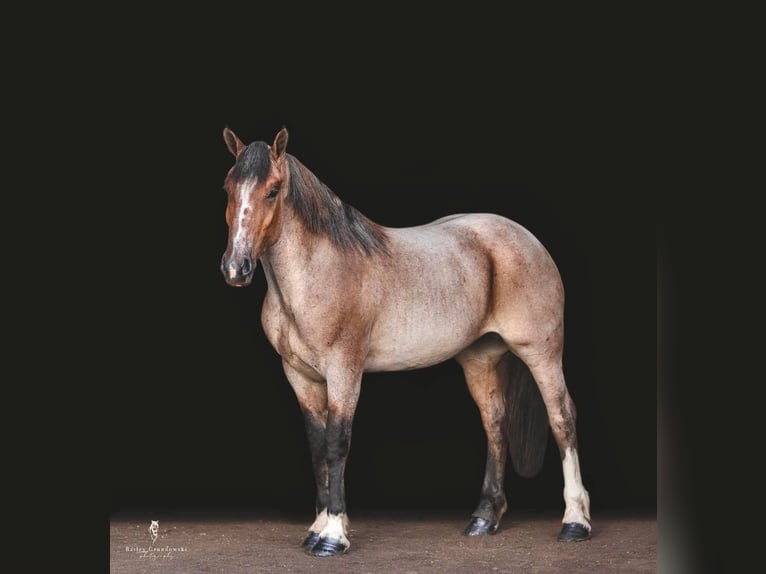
(420, 342)
(411, 358)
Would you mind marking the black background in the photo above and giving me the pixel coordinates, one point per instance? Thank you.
(200, 415)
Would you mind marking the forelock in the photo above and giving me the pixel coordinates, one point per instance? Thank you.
(254, 161)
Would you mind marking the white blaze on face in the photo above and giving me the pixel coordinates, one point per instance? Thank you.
(336, 528)
(575, 496)
(246, 193)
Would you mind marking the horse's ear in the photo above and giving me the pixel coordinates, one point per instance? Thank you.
(234, 144)
(280, 144)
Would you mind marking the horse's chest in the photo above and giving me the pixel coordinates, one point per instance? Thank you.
(289, 340)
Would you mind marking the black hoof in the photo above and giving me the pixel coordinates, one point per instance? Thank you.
(328, 547)
(479, 526)
(573, 532)
(310, 541)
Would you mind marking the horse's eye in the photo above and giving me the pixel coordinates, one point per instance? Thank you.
(272, 193)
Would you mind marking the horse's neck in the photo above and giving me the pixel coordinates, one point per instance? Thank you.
(294, 263)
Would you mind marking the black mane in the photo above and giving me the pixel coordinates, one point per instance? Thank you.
(322, 212)
(253, 161)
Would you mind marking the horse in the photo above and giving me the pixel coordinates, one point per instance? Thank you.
(346, 296)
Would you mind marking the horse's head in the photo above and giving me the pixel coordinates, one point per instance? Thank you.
(256, 186)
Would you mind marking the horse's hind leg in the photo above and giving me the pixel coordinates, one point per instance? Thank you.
(548, 373)
(484, 365)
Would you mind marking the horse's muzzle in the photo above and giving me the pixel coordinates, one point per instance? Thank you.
(238, 273)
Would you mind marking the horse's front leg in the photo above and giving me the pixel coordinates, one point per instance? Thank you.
(312, 398)
(343, 386)
(328, 408)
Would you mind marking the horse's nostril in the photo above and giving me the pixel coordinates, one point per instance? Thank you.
(247, 267)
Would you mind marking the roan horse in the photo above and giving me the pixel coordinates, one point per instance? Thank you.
(347, 296)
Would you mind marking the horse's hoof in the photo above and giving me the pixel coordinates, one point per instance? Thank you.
(479, 526)
(310, 541)
(573, 532)
(328, 547)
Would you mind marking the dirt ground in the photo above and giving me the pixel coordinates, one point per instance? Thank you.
(390, 543)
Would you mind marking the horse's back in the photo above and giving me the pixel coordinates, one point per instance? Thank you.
(490, 226)
(509, 256)
(511, 246)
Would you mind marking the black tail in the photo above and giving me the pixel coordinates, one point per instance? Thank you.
(526, 420)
